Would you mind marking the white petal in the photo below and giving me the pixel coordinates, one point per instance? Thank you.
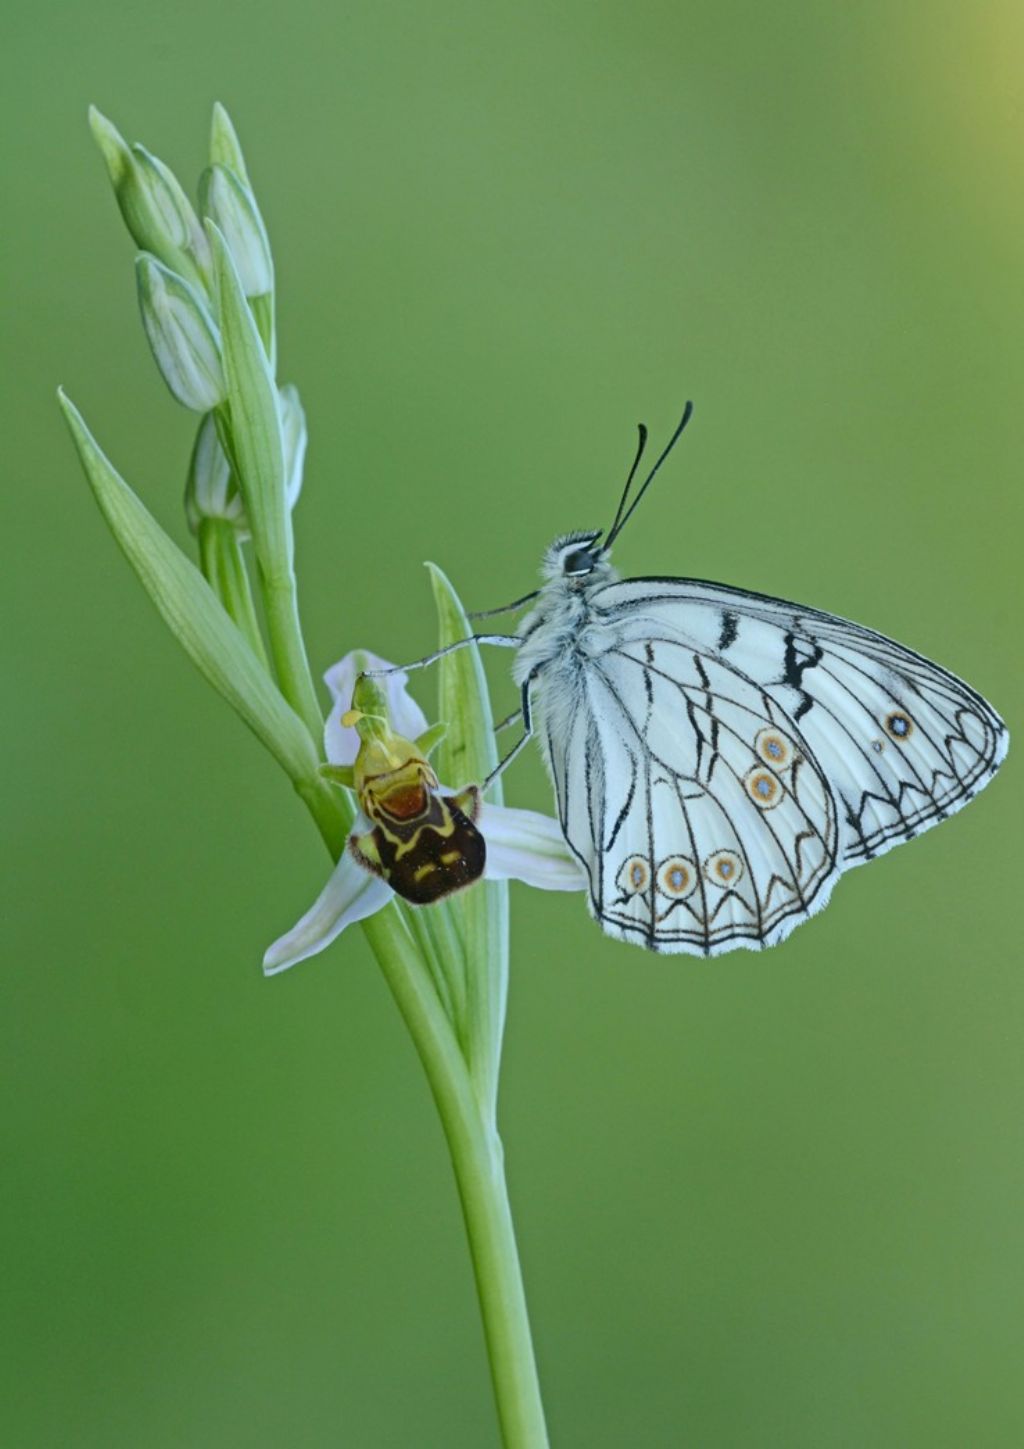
(341, 745)
(351, 894)
(522, 845)
(293, 436)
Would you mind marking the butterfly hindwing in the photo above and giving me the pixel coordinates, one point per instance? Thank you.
(692, 799)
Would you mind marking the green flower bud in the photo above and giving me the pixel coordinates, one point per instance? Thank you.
(225, 147)
(228, 201)
(211, 490)
(293, 441)
(155, 208)
(182, 334)
(196, 247)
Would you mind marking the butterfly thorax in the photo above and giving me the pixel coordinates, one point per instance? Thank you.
(561, 630)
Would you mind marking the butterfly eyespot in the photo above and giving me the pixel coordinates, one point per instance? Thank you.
(634, 875)
(723, 868)
(763, 788)
(677, 877)
(878, 746)
(899, 726)
(775, 749)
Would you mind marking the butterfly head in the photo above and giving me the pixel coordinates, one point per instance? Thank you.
(576, 559)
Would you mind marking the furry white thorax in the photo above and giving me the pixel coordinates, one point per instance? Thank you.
(560, 628)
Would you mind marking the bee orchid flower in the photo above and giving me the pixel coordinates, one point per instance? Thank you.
(520, 844)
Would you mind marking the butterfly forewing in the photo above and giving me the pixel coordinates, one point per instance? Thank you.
(901, 741)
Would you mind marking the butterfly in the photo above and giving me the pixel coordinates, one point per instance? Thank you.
(720, 757)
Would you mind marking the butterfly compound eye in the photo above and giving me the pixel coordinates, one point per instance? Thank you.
(579, 561)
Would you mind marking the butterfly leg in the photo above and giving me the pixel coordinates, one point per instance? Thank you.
(503, 608)
(510, 719)
(505, 641)
(524, 710)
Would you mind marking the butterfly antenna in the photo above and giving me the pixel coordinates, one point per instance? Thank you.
(641, 444)
(620, 523)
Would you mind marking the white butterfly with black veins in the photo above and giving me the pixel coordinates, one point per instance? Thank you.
(720, 757)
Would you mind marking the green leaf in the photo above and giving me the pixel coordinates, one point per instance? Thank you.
(254, 418)
(223, 567)
(468, 753)
(193, 613)
(429, 740)
(465, 756)
(340, 775)
(254, 443)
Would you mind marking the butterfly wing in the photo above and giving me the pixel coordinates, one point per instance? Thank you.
(902, 742)
(690, 796)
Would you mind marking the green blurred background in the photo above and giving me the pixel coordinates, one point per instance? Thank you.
(769, 1201)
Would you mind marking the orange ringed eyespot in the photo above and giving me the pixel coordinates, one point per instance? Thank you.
(633, 875)
(677, 877)
(723, 868)
(764, 788)
(774, 748)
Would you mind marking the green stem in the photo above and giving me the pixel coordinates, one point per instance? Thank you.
(486, 913)
(281, 610)
(417, 921)
(442, 930)
(477, 1159)
(220, 558)
(479, 1173)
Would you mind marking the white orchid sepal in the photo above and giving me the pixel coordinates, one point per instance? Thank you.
(520, 844)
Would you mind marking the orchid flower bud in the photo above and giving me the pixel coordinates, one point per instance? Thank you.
(155, 209)
(211, 490)
(182, 334)
(230, 203)
(293, 441)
